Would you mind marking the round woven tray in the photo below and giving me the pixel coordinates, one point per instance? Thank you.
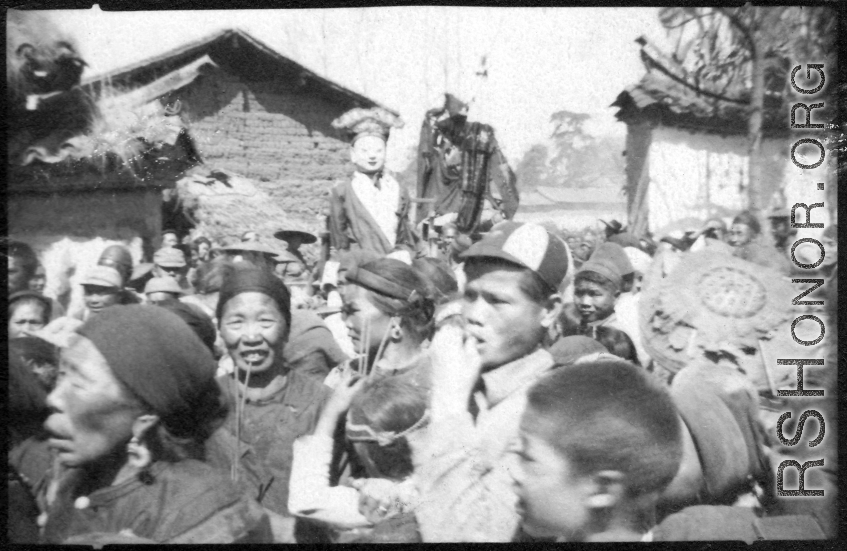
(712, 305)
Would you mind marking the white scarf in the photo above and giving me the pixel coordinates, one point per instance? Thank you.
(381, 202)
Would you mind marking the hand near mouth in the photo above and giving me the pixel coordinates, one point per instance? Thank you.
(456, 366)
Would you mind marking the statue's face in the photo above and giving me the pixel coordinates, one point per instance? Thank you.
(368, 154)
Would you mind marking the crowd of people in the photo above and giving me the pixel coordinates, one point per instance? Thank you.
(486, 387)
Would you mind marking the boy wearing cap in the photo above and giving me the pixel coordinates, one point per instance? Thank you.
(624, 314)
(370, 211)
(102, 288)
(479, 382)
(597, 286)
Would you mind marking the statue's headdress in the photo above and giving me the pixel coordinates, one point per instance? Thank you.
(360, 122)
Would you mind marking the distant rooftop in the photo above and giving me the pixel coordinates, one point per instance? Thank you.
(251, 58)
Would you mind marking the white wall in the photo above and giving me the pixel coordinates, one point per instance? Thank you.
(67, 259)
(700, 175)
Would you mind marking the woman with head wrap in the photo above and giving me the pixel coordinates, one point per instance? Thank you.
(135, 400)
(271, 405)
(389, 316)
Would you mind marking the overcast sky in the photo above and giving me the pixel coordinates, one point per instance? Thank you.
(539, 60)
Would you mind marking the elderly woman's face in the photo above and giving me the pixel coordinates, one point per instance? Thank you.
(360, 312)
(92, 412)
(739, 235)
(254, 330)
(26, 317)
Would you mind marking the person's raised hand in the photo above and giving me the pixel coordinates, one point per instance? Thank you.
(456, 366)
(349, 383)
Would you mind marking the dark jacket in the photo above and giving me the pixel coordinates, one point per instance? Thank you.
(349, 218)
(268, 431)
(184, 502)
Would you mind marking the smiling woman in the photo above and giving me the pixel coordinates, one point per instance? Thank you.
(134, 401)
(270, 405)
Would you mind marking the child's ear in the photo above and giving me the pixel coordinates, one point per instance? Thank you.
(607, 489)
(552, 310)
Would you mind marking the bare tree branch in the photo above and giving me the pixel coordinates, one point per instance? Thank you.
(746, 32)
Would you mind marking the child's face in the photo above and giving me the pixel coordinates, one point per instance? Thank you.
(593, 301)
(553, 499)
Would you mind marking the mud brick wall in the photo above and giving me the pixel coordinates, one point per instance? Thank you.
(271, 131)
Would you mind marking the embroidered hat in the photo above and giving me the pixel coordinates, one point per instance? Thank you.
(360, 122)
(527, 245)
(169, 257)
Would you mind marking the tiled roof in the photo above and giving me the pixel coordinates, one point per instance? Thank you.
(663, 97)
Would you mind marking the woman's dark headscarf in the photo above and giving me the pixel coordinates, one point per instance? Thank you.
(157, 356)
(397, 290)
(242, 277)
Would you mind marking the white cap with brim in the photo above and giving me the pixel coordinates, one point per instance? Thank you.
(163, 285)
(103, 276)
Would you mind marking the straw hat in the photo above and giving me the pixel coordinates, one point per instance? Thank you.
(306, 238)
